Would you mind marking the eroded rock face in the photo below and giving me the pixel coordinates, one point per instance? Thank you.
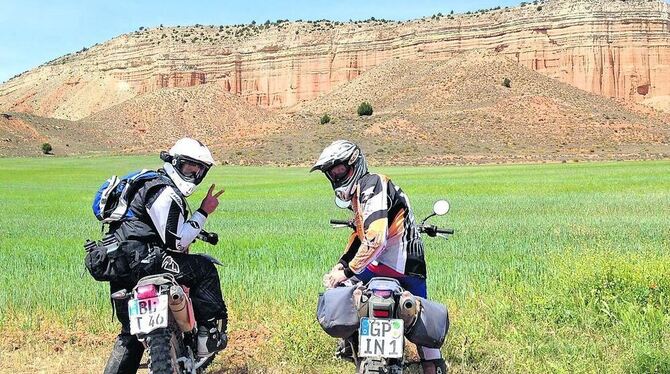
(615, 48)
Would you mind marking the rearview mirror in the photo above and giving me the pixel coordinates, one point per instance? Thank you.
(441, 207)
(341, 203)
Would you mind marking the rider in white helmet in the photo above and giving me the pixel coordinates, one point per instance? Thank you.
(386, 241)
(156, 238)
(187, 164)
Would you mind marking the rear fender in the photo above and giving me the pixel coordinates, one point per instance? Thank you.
(158, 280)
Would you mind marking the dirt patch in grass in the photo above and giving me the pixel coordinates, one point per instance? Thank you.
(58, 351)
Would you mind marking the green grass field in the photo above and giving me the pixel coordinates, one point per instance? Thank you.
(553, 268)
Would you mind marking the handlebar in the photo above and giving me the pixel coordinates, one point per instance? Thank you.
(208, 237)
(340, 222)
(430, 230)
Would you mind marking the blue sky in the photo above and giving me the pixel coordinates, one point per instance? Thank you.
(33, 32)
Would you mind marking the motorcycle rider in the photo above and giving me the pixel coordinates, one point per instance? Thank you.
(156, 239)
(386, 242)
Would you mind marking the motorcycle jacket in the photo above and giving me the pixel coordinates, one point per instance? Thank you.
(159, 217)
(386, 233)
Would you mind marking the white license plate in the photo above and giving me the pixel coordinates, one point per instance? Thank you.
(146, 315)
(381, 338)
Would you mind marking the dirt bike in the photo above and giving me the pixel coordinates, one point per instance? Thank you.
(387, 314)
(161, 316)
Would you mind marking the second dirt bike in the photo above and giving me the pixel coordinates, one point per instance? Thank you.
(374, 319)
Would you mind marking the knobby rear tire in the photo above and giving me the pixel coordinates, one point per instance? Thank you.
(162, 352)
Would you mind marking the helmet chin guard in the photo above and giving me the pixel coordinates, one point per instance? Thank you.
(186, 188)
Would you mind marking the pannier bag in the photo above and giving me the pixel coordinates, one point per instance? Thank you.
(431, 326)
(336, 312)
(105, 261)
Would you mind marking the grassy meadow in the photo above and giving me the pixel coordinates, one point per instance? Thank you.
(553, 267)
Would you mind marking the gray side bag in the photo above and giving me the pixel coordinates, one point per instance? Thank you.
(337, 313)
(431, 326)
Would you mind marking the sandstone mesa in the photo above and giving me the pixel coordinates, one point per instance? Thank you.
(618, 49)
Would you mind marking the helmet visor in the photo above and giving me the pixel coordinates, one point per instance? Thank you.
(192, 171)
(338, 173)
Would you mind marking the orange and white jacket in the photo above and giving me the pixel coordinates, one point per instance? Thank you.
(386, 237)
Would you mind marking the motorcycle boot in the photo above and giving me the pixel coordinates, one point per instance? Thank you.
(344, 350)
(346, 347)
(211, 338)
(438, 366)
(126, 355)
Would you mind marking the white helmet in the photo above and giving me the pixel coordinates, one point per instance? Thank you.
(187, 164)
(354, 166)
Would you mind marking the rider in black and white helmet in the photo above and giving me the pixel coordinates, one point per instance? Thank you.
(386, 242)
(343, 164)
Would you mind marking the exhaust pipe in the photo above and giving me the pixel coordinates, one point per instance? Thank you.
(409, 308)
(181, 308)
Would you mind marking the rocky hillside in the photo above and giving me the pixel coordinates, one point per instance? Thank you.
(154, 120)
(451, 111)
(614, 48)
(458, 110)
(23, 134)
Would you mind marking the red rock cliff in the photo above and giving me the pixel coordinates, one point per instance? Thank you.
(610, 47)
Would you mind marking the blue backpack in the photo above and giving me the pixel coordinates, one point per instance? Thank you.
(113, 198)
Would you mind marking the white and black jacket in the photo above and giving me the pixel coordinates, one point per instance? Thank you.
(159, 217)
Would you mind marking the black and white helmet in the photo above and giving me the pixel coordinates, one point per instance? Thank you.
(187, 164)
(343, 164)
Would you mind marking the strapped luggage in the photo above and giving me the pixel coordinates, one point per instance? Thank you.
(431, 326)
(336, 312)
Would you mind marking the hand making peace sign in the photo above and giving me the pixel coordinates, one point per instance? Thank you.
(210, 202)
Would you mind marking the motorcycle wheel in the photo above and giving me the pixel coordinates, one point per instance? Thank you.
(162, 352)
(374, 366)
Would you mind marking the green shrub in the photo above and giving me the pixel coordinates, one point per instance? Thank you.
(507, 83)
(47, 148)
(325, 119)
(365, 109)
